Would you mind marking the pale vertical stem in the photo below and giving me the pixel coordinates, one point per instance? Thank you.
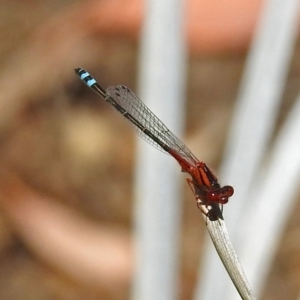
(157, 188)
(275, 195)
(252, 127)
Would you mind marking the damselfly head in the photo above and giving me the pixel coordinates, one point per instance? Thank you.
(220, 195)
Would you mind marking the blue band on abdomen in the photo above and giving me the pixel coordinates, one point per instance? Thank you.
(91, 82)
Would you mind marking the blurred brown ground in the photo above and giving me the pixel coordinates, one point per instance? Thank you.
(67, 160)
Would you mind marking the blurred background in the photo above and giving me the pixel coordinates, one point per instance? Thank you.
(68, 159)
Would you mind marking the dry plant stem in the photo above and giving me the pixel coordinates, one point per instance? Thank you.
(220, 238)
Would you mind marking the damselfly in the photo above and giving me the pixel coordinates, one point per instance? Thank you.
(203, 183)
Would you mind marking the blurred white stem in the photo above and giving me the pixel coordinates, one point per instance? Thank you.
(157, 188)
(275, 196)
(252, 127)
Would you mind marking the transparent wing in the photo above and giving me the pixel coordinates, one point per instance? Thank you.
(124, 97)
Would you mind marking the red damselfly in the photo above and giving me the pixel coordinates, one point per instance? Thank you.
(203, 183)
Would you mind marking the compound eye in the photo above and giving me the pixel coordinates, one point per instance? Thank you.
(213, 196)
(228, 190)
